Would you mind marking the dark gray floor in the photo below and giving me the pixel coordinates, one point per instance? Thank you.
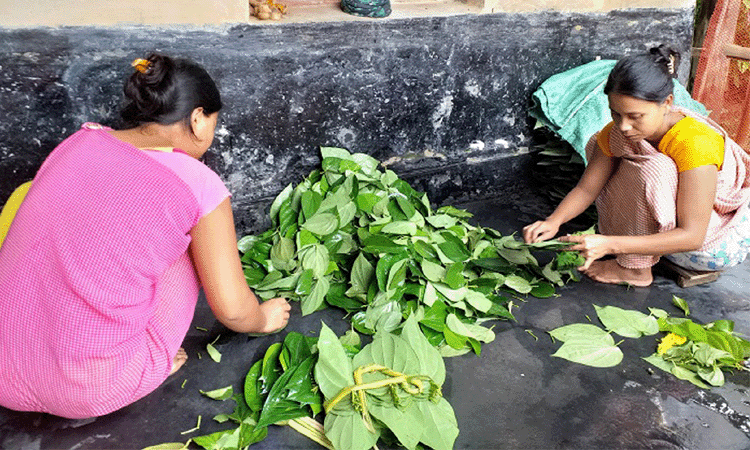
(515, 396)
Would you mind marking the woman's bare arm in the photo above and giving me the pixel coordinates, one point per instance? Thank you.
(217, 262)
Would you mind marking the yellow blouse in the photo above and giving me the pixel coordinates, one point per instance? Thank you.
(690, 143)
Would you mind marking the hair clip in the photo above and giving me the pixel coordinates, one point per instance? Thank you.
(670, 65)
(141, 65)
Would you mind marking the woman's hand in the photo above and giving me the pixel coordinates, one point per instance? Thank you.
(276, 314)
(590, 246)
(540, 230)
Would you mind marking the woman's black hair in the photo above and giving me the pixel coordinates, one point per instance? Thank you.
(166, 91)
(647, 76)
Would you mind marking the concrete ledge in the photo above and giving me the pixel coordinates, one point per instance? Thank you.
(53, 13)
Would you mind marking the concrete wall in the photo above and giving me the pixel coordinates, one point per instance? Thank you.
(443, 99)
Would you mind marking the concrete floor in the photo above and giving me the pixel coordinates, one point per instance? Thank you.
(515, 396)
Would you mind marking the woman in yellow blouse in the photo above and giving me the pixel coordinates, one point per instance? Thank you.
(666, 181)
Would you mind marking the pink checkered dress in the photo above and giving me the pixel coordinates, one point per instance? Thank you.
(97, 290)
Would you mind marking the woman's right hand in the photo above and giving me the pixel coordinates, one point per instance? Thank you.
(276, 314)
(540, 230)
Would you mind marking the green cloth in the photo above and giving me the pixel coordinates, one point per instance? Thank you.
(573, 103)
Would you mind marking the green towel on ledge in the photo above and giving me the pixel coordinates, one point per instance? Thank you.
(573, 103)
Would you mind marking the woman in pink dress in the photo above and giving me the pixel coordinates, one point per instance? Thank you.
(102, 264)
(666, 181)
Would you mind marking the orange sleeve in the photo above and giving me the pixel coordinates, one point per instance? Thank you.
(692, 144)
(602, 139)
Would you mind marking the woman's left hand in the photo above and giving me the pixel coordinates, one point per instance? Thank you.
(590, 246)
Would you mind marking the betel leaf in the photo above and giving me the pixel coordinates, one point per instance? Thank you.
(361, 276)
(312, 302)
(518, 284)
(581, 331)
(682, 304)
(433, 271)
(219, 394)
(333, 371)
(283, 401)
(680, 372)
(315, 257)
(590, 352)
(322, 224)
(627, 323)
(213, 353)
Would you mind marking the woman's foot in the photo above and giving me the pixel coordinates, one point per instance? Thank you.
(608, 271)
(178, 360)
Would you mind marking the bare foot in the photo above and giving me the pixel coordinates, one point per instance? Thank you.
(608, 271)
(178, 360)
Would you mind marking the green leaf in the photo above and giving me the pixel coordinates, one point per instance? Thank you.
(478, 300)
(312, 302)
(432, 271)
(441, 220)
(349, 432)
(543, 290)
(213, 353)
(590, 352)
(280, 403)
(311, 201)
(400, 227)
(518, 284)
(253, 397)
(682, 304)
(430, 362)
(627, 323)
(362, 273)
(315, 257)
(304, 283)
(440, 427)
(452, 211)
(219, 394)
(453, 247)
(679, 372)
(453, 339)
(581, 331)
(168, 446)
(333, 371)
(435, 315)
(366, 201)
(321, 224)
(454, 276)
(713, 376)
(275, 206)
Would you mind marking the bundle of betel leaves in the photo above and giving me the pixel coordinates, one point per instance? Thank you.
(355, 237)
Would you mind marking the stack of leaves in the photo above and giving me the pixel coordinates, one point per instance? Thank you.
(357, 238)
(392, 388)
(699, 353)
(557, 167)
(389, 390)
(278, 388)
(689, 351)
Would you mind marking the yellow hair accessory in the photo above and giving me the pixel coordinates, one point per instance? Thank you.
(141, 65)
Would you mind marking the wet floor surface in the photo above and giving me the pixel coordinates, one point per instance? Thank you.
(513, 396)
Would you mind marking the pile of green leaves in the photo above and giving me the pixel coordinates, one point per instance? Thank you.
(557, 167)
(701, 356)
(708, 350)
(389, 390)
(278, 388)
(357, 238)
(401, 377)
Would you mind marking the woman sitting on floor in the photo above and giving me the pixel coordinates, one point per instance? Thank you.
(666, 181)
(101, 267)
